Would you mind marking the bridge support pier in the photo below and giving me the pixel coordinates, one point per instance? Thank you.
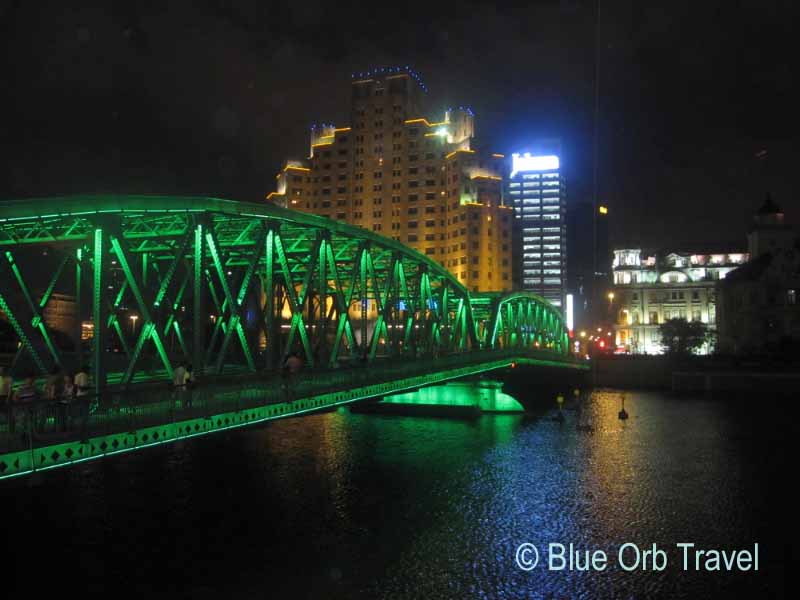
(537, 387)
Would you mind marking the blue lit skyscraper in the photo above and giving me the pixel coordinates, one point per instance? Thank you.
(537, 192)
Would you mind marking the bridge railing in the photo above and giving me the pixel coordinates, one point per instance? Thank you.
(42, 423)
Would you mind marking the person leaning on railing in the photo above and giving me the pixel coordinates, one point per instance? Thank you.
(51, 384)
(290, 371)
(7, 397)
(25, 403)
(82, 382)
(52, 391)
(188, 384)
(179, 383)
(82, 398)
(65, 400)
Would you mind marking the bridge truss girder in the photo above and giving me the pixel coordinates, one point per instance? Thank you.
(232, 285)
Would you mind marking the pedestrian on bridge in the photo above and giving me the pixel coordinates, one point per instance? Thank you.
(82, 390)
(82, 382)
(7, 397)
(188, 384)
(6, 385)
(51, 384)
(66, 399)
(294, 362)
(52, 391)
(290, 372)
(27, 392)
(179, 382)
(25, 399)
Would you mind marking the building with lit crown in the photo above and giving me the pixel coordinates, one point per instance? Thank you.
(423, 182)
(536, 190)
(651, 288)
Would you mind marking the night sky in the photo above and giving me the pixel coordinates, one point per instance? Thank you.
(698, 109)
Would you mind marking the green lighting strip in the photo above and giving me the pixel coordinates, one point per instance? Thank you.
(327, 289)
(27, 462)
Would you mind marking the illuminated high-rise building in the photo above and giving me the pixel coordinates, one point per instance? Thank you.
(422, 182)
(537, 192)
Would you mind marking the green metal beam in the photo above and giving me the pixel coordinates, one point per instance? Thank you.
(149, 330)
(317, 277)
(99, 311)
(37, 322)
(235, 306)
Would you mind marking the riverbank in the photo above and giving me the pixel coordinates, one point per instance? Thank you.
(696, 374)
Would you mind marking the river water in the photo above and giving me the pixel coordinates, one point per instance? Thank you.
(342, 505)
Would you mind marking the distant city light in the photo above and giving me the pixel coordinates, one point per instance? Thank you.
(570, 319)
(603, 210)
(526, 162)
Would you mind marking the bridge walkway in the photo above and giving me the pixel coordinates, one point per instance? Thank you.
(48, 435)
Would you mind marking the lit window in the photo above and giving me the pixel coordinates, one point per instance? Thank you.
(87, 330)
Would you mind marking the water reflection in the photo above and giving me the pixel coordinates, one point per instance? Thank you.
(343, 505)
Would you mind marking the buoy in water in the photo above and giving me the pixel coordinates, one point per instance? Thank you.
(622, 414)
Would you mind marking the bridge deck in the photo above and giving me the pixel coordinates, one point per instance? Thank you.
(46, 436)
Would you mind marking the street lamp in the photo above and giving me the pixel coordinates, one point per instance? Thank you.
(133, 319)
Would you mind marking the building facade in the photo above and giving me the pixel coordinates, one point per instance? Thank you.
(537, 192)
(651, 288)
(758, 304)
(423, 182)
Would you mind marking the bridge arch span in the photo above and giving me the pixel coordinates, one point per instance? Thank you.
(234, 286)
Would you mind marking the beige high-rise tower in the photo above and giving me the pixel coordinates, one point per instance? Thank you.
(421, 182)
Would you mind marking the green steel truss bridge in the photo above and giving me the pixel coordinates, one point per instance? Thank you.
(232, 288)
